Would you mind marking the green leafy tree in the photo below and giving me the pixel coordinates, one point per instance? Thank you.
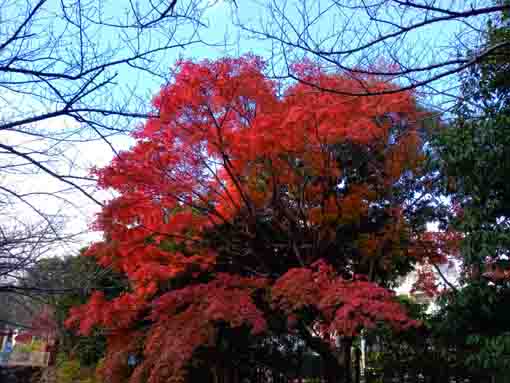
(67, 282)
(475, 162)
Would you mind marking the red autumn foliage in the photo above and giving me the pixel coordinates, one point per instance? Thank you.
(345, 306)
(426, 282)
(240, 204)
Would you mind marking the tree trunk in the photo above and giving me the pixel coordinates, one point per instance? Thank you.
(214, 374)
(346, 346)
(333, 368)
(333, 371)
(358, 366)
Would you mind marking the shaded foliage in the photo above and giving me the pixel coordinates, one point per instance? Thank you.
(475, 162)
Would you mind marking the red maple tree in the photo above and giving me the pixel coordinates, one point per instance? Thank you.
(247, 202)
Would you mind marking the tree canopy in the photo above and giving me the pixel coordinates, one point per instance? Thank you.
(248, 206)
(475, 162)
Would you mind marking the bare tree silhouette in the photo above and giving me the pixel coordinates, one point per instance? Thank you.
(73, 72)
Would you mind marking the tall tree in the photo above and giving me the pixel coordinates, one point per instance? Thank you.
(475, 161)
(248, 207)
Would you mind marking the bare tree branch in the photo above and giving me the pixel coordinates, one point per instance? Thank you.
(400, 40)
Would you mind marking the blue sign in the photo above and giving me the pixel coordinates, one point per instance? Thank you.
(8, 348)
(5, 353)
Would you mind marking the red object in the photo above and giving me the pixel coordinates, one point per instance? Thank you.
(24, 337)
(230, 153)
